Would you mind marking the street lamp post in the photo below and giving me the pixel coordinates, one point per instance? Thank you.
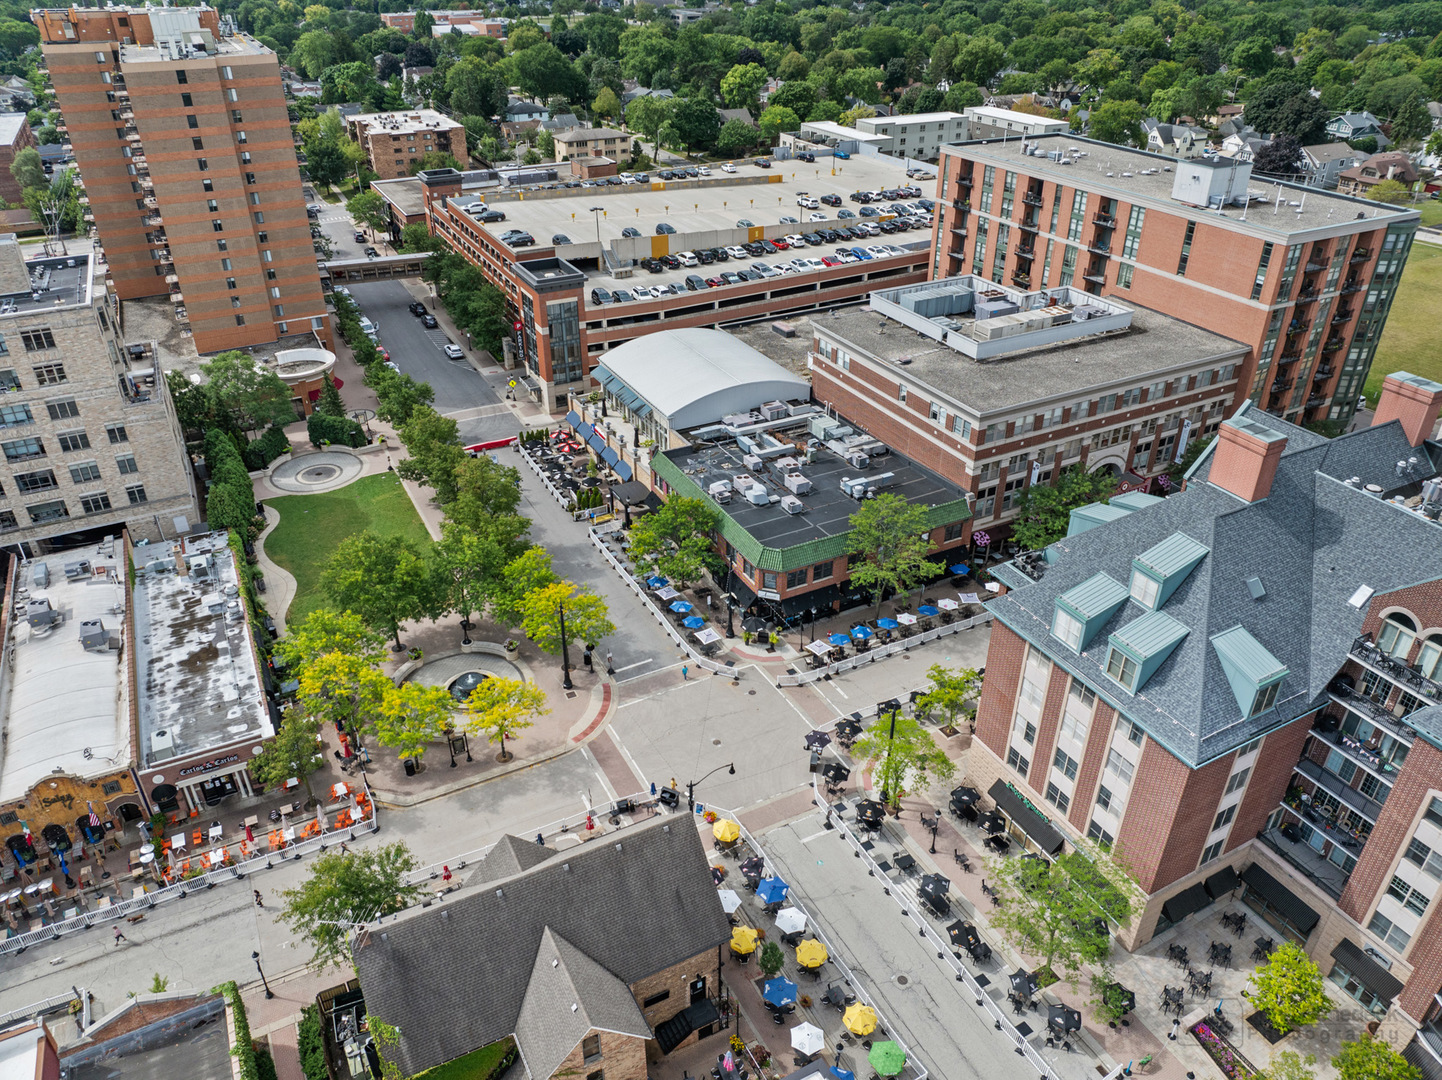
(691, 785)
(891, 741)
(263, 981)
(598, 210)
(565, 653)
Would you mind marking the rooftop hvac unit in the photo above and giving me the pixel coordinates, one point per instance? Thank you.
(213, 603)
(752, 462)
(858, 459)
(720, 491)
(74, 571)
(757, 495)
(787, 464)
(742, 482)
(234, 612)
(796, 483)
(792, 505)
(40, 575)
(201, 566)
(775, 410)
(162, 745)
(1432, 490)
(38, 612)
(93, 636)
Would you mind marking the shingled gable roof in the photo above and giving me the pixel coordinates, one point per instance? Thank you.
(1313, 541)
(570, 994)
(453, 976)
(510, 855)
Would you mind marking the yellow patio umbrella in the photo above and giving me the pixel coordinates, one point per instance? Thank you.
(811, 953)
(726, 830)
(859, 1019)
(743, 940)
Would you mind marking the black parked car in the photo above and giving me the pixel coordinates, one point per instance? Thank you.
(719, 255)
(620, 296)
(417, 309)
(666, 174)
(493, 215)
(696, 283)
(671, 262)
(806, 155)
(704, 257)
(831, 200)
(429, 321)
(767, 247)
(600, 296)
(629, 231)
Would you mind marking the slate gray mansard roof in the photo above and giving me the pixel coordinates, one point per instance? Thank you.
(462, 972)
(1313, 542)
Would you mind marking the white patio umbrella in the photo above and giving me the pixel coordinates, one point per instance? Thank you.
(729, 900)
(807, 1039)
(946, 603)
(906, 618)
(790, 921)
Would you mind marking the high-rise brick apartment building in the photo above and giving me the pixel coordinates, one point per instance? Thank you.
(1303, 277)
(1236, 690)
(183, 141)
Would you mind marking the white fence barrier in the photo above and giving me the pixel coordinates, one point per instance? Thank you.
(881, 652)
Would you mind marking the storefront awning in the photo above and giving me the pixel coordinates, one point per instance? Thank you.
(1221, 883)
(586, 431)
(1367, 971)
(1280, 897)
(609, 456)
(624, 471)
(530, 383)
(573, 418)
(1025, 818)
(1189, 900)
(821, 599)
(603, 375)
(595, 442)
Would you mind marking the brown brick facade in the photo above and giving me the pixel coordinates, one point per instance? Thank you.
(1271, 775)
(1004, 659)
(1089, 775)
(619, 1057)
(1169, 814)
(1045, 745)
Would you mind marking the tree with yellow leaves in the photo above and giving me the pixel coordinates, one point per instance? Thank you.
(501, 709)
(413, 716)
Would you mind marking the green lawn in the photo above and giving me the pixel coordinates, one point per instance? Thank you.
(1409, 343)
(1431, 213)
(312, 527)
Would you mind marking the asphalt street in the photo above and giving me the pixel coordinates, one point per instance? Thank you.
(473, 400)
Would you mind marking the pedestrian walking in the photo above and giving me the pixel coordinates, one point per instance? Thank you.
(684, 670)
(446, 874)
(610, 667)
(258, 901)
(119, 937)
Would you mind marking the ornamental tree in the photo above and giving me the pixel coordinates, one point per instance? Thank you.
(345, 890)
(1369, 1058)
(888, 542)
(1058, 910)
(501, 709)
(1289, 989)
(903, 758)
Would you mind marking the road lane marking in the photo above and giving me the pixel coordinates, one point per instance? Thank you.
(638, 663)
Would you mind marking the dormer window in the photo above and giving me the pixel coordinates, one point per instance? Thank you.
(1122, 668)
(1145, 589)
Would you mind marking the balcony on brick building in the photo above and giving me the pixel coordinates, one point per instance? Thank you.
(1396, 671)
(1287, 842)
(1361, 255)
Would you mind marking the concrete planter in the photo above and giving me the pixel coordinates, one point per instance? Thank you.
(406, 670)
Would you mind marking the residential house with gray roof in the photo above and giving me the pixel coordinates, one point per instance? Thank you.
(600, 957)
(1238, 687)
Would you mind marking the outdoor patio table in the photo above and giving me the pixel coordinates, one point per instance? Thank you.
(904, 862)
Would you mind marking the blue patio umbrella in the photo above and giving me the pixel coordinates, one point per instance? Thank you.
(840, 1073)
(928, 609)
(779, 991)
(680, 605)
(838, 639)
(861, 633)
(887, 624)
(657, 582)
(772, 891)
(693, 622)
(959, 568)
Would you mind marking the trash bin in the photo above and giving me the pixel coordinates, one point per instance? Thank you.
(410, 766)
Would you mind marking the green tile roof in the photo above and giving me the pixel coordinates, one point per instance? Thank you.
(1239, 651)
(1098, 596)
(1092, 515)
(1151, 636)
(1135, 500)
(1177, 554)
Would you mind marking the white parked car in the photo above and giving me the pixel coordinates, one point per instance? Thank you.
(796, 240)
(628, 178)
(845, 255)
(704, 170)
(877, 251)
(766, 270)
(688, 258)
(783, 268)
(808, 264)
(728, 167)
(870, 228)
(815, 217)
(810, 202)
(453, 352)
(736, 251)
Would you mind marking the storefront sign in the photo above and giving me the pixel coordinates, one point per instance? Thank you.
(768, 594)
(206, 766)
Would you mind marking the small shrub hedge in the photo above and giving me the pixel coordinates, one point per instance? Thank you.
(334, 430)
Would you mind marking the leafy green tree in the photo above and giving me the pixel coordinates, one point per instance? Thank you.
(979, 60)
(474, 88)
(607, 104)
(467, 567)
(1109, 1001)
(330, 403)
(775, 120)
(736, 137)
(546, 141)
(398, 394)
(888, 544)
(27, 168)
(313, 52)
(1058, 910)
(383, 579)
(697, 122)
(295, 751)
(953, 694)
(1044, 510)
(1189, 457)
(17, 36)
(501, 709)
(648, 115)
(677, 537)
(416, 237)
(325, 161)
(243, 395)
(771, 960)
(229, 507)
(431, 159)
(1288, 108)
(859, 112)
(325, 631)
(741, 86)
(586, 616)
(487, 495)
(435, 451)
(1369, 1058)
(1289, 989)
(1117, 122)
(413, 716)
(369, 209)
(345, 890)
(1290, 1065)
(1391, 192)
(343, 689)
(525, 575)
(542, 70)
(908, 760)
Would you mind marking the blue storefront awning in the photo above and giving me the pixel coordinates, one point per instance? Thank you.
(573, 418)
(596, 443)
(585, 430)
(605, 377)
(609, 456)
(623, 470)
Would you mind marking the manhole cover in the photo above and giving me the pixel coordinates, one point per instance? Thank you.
(751, 693)
(715, 742)
(902, 980)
